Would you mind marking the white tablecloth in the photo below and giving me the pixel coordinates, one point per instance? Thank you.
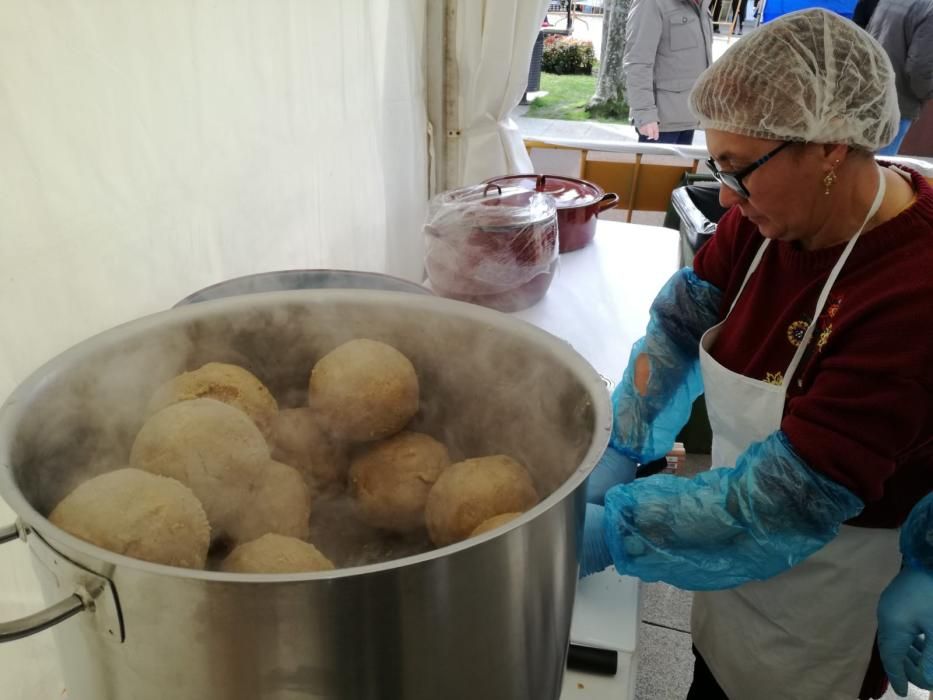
(599, 300)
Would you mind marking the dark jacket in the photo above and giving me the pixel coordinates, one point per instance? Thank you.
(905, 29)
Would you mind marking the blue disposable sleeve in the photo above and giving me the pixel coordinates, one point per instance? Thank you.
(726, 526)
(917, 535)
(645, 425)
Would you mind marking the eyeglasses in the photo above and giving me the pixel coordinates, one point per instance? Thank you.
(734, 180)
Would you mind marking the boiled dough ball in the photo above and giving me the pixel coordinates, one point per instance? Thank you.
(470, 492)
(140, 515)
(391, 480)
(494, 522)
(211, 447)
(299, 440)
(365, 389)
(230, 384)
(279, 502)
(275, 554)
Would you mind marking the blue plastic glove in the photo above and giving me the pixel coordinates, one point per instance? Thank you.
(905, 611)
(905, 630)
(917, 535)
(596, 556)
(645, 423)
(726, 527)
(613, 469)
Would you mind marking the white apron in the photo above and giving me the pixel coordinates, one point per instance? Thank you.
(808, 632)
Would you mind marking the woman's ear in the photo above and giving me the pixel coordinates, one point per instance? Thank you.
(834, 153)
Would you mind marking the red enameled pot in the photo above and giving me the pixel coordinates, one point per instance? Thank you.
(578, 204)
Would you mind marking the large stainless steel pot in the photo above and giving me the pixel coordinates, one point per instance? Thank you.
(282, 280)
(486, 618)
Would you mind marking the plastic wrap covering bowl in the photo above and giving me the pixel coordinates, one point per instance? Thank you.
(490, 245)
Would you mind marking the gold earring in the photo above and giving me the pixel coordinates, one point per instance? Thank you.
(830, 179)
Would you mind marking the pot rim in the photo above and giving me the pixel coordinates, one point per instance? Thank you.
(399, 282)
(600, 192)
(13, 409)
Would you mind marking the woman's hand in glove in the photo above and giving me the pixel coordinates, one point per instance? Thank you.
(613, 468)
(905, 630)
(596, 556)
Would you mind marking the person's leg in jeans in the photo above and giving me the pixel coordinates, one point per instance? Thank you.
(704, 685)
(679, 138)
(892, 148)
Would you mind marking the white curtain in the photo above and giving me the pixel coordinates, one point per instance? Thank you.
(494, 40)
(149, 149)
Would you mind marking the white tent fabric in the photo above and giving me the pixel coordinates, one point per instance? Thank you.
(151, 149)
(494, 41)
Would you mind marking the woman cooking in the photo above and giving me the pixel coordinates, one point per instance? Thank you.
(806, 321)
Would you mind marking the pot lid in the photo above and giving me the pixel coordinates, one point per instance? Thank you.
(566, 191)
(493, 205)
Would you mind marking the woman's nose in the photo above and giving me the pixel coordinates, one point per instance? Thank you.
(728, 197)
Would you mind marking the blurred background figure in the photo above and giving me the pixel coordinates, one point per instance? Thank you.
(905, 29)
(668, 43)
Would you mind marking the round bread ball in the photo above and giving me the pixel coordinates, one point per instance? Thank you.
(275, 554)
(470, 492)
(213, 448)
(391, 480)
(280, 503)
(366, 390)
(230, 384)
(140, 515)
(298, 439)
(494, 522)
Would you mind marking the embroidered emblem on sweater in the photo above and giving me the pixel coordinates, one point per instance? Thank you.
(826, 326)
(776, 378)
(824, 336)
(796, 331)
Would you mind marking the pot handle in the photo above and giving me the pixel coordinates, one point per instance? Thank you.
(90, 593)
(42, 620)
(607, 201)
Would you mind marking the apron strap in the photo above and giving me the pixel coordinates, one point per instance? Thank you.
(827, 288)
(751, 269)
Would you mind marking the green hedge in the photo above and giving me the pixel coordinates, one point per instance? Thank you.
(564, 56)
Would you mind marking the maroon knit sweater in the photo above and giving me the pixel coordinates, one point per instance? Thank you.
(860, 406)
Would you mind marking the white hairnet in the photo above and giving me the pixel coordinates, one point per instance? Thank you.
(807, 76)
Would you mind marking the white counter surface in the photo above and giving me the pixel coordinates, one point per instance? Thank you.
(598, 302)
(599, 299)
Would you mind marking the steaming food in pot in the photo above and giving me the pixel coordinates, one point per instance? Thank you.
(472, 491)
(276, 554)
(213, 448)
(493, 523)
(391, 480)
(279, 502)
(228, 383)
(138, 514)
(403, 493)
(365, 390)
(299, 439)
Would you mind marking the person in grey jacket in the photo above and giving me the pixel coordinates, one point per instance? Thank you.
(668, 43)
(905, 29)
